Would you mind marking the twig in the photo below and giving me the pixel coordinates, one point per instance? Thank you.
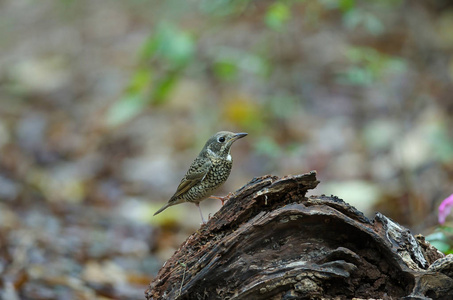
(183, 277)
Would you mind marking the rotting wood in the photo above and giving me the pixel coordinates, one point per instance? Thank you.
(270, 241)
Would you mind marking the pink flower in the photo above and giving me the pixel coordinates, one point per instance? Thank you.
(445, 208)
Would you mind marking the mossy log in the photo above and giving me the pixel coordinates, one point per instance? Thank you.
(270, 241)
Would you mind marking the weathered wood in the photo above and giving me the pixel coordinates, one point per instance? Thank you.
(269, 241)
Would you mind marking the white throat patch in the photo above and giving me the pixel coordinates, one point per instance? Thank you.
(212, 152)
(229, 158)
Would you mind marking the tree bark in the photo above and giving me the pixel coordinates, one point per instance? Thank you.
(269, 241)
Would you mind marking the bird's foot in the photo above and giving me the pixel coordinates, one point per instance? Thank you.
(223, 198)
(219, 198)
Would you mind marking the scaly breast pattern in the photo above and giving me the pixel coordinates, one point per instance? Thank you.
(218, 174)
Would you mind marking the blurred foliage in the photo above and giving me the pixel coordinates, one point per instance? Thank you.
(440, 138)
(163, 58)
(442, 239)
(170, 50)
(366, 65)
(354, 18)
(228, 63)
(277, 16)
(245, 113)
(223, 8)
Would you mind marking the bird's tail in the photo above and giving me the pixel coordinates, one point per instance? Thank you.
(173, 201)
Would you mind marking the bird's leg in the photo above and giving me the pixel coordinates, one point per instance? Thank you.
(224, 198)
(201, 214)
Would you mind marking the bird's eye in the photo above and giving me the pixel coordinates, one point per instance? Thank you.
(221, 139)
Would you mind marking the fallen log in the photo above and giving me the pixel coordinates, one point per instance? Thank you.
(270, 241)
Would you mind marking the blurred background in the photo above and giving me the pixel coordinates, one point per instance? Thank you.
(105, 104)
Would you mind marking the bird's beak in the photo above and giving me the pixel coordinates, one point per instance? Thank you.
(238, 136)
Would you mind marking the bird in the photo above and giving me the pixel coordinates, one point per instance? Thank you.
(208, 171)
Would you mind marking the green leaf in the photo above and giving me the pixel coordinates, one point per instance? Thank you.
(163, 87)
(149, 48)
(436, 236)
(357, 76)
(140, 81)
(226, 69)
(440, 240)
(441, 246)
(277, 16)
(346, 5)
(172, 44)
(447, 229)
(125, 109)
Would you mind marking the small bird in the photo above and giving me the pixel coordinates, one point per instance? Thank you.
(208, 171)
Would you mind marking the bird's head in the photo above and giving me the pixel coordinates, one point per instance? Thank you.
(220, 143)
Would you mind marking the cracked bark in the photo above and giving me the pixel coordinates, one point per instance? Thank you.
(269, 241)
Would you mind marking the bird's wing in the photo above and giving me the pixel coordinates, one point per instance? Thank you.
(195, 175)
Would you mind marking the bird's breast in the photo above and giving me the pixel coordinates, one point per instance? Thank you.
(220, 170)
(217, 175)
